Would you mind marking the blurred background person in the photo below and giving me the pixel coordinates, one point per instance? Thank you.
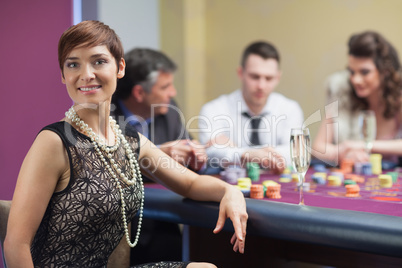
(144, 99)
(252, 123)
(373, 82)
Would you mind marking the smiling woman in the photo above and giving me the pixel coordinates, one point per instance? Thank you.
(90, 74)
(373, 82)
(81, 181)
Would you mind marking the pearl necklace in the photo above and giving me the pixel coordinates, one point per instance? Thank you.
(100, 146)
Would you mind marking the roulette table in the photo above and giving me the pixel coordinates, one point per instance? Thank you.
(330, 230)
(371, 198)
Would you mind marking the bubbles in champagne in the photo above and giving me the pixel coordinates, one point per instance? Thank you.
(300, 152)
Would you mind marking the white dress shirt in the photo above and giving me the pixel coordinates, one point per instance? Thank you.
(224, 115)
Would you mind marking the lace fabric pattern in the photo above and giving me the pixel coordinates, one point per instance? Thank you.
(162, 264)
(83, 223)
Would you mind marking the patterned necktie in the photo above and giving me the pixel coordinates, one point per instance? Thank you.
(255, 122)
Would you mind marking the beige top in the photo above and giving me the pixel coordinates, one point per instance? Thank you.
(339, 108)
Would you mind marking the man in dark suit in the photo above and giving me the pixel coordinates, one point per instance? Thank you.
(144, 100)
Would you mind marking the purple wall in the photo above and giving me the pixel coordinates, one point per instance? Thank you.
(32, 94)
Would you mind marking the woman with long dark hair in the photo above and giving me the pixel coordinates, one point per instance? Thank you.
(373, 82)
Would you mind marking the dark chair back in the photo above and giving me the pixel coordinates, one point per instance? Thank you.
(4, 211)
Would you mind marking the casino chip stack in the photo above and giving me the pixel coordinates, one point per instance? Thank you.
(358, 168)
(375, 160)
(257, 191)
(232, 173)
(285, 178)
(352, 190)
(339, 175)
(347, 165)
(385, 180)
(287, 170)
(367, 169)
(244, 185)
(334, 180)
(394, 176)
(319, 177)
(295, 178)
(273, 189)
(253, 171)
(267, 183)
(348, 182)
(363, 168)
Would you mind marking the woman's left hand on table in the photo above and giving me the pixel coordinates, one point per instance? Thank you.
(233, 206)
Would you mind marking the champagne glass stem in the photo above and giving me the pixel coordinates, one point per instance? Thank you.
(301, 176)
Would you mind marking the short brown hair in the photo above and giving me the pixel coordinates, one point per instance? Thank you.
(260, 48)
(89, 33)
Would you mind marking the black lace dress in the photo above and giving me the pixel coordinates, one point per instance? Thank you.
(83, 223)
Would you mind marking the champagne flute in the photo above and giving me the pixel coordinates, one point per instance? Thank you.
(368, 128)
(300, 155)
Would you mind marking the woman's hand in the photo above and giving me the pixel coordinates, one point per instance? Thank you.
(233, 206)
(354, 150)
(199, 187)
